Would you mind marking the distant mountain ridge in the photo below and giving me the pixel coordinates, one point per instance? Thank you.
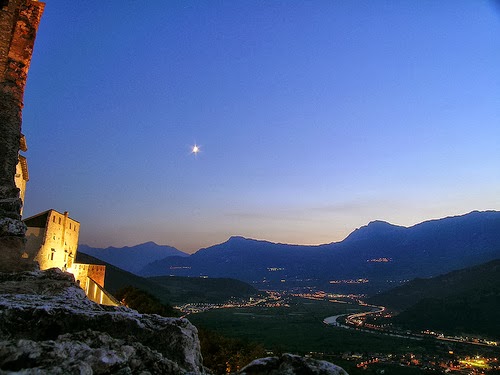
(377, 227)
(423, 250)
(132, 258)
(171, 290)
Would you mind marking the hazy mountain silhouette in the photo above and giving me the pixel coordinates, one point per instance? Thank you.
(375, 229)
(424, 250)
(132, 258)
(117, 278)
(172, 290)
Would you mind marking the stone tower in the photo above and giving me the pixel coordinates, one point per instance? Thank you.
(19, 20)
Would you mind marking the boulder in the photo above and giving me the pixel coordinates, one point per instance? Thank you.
(289, 364)
(49, 313)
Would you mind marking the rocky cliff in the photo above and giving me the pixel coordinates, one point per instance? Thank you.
(19, 20)
(48, 326)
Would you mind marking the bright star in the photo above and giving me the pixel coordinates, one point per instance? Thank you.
(195, 149)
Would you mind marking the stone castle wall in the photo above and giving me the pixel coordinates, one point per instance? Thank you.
(52, 241)
(19, 20)
(82, 271)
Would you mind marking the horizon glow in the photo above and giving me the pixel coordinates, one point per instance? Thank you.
(316, 118)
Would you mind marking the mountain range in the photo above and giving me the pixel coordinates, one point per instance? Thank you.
(132, 258)
(371, 259)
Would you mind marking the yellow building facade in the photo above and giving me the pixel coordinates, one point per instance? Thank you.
(90, 277)
(83, 272)
(52, 239)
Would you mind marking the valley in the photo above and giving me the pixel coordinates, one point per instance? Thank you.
(387, 299)
(291, 323)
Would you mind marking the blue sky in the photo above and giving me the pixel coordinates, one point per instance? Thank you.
(313, 117)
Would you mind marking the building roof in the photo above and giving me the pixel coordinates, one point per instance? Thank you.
(40, 220)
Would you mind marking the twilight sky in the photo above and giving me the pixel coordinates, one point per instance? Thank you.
(312, 117)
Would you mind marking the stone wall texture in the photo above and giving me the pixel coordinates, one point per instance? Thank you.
(19, 20)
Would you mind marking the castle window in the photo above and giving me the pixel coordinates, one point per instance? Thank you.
(69, 225)
(59, 220)
(52, 254)
(53, 219)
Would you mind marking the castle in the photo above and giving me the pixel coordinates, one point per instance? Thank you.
(49, 238)
(52, 241)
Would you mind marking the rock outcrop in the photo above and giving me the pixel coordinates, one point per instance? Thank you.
(85, 352)
(291, 365)
(48, 326)
(19, 20)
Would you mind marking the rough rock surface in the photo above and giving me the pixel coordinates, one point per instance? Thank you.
(47, 325)
(289, 364)
(85, 352)
(19, 20)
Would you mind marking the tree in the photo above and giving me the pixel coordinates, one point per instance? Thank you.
(144, 302)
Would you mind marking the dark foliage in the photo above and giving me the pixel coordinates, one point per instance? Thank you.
(144, 302)
(223, 354)
(466, 281)
(210, 290)
(469, 313)
(463, 301)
